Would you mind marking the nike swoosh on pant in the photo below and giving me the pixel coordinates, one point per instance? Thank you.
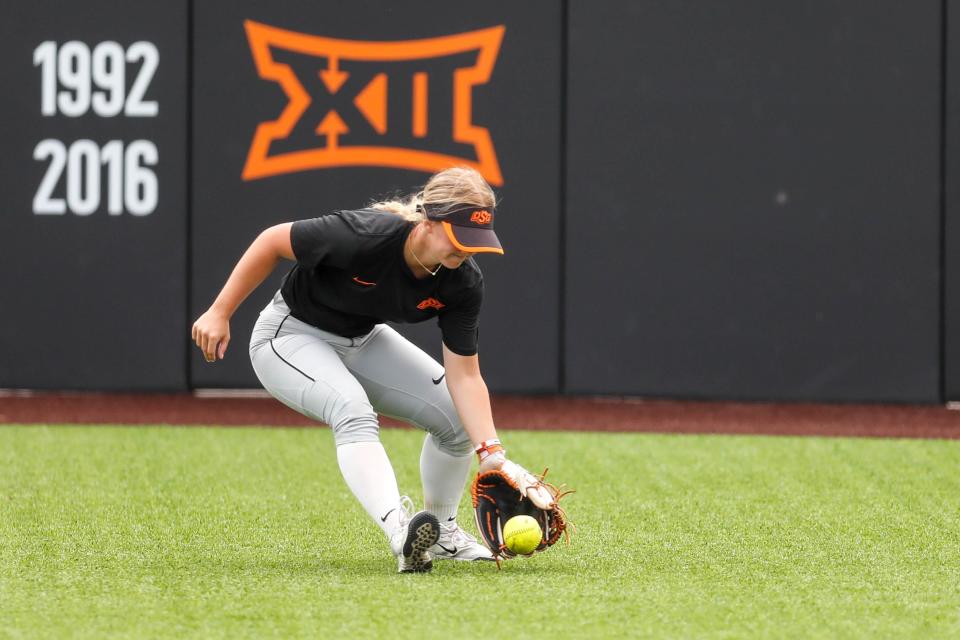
(438, 380)
(387, 515)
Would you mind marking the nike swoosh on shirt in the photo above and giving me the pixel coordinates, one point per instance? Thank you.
(438, 380)
(366, 284)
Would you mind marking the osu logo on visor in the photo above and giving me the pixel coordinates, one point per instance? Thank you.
(403, 104)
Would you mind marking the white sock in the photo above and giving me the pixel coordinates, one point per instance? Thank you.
(443, 477)
(369, 474)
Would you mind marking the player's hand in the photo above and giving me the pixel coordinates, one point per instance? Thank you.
(211, 332)
(528, 484)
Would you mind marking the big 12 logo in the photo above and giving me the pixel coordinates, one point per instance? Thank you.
(401, 104)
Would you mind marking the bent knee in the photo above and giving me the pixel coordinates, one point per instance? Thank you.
(355, 421)
(447, 431)
(457, 446)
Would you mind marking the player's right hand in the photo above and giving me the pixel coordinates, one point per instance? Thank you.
(211, 332)
(525, 482)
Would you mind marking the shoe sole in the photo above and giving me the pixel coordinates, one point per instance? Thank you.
(423, 533)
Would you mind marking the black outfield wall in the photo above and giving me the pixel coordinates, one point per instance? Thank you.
(740, 201)
(753, 200)
(951, 262)
(94, 217)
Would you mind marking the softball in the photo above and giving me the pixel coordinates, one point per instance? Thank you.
(522, 534)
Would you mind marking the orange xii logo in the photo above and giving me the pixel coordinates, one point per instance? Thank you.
(402, 104)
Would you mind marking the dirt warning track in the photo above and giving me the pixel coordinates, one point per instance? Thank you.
(510, 412)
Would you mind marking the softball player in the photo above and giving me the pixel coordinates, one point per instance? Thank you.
(321, 347)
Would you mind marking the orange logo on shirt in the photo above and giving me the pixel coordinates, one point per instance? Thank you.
(344, 104)
(430, 303)
(481, 217)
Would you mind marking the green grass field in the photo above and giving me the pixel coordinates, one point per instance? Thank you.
(232, 533)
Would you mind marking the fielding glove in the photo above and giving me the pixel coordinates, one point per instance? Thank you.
(511, 490)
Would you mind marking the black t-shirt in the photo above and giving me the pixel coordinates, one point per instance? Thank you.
(350, 275)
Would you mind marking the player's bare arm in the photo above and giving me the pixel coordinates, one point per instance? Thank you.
(211, 331)
(470, 395)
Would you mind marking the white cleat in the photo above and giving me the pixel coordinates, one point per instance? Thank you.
(411, 542)
(456, 544)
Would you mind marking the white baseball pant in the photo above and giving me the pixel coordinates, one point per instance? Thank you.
(345, 382)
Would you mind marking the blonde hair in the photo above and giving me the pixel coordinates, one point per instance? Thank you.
(443, 192)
